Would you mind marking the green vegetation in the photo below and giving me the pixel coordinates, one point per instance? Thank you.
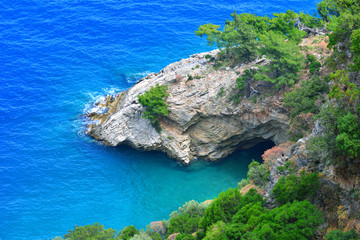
(286, 60)
(314, 65)
(293, 187)
(238, 40)
(258, 174)
(242, 81)
(91, 232)
(340, 235)
(291, 221)
(153, 101)
(302, 99)
(247, 35)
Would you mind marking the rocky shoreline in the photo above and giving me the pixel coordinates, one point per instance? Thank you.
(204, 121)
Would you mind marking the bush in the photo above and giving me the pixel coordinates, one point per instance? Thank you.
(258, 173)
(216, 232)
(290, 188)
(128, 232)
(185, 237)
(314, 67)
(297, 220)
(226, 205)
(348, 139)
(153, 101)
(222, 208)
(183, 223)
(191, 208)
(142, 236)
(302, 99)
(95, 231)
(340, 235)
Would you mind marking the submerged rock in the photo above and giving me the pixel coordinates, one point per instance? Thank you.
(204, 121)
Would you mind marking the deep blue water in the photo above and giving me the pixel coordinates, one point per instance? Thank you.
(58, 56)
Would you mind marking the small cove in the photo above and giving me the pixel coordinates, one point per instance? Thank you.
(56, 58)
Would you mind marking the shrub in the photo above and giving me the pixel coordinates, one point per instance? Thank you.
(292, 187)
(153, 101)
(226, 205)
(183, 223)
(216, 232)
(141, 236)
(95, 231)
(348, 139)
(314, 67)
(222, 208)
(297, 220)
(340, 235)
(185, 236)
(191, 208)
(302, 99)
(258, 173)
(128, 232)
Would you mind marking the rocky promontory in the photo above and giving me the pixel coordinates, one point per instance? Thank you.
(208, 117)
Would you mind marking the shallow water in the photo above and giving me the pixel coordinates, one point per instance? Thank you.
(56, 57)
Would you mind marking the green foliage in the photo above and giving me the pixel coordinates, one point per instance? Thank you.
(243, 183)
(311, 21)
(91, 232)
(226, 205)
(247, 76)
(292, 187)
(222, 208)
(310, 59)
(185, 236)
(258, 173)
(340, 235)
(153, 101)
(297, 220)
(183, 223)
(355, 48)
(128, 232)
(289, 166)
(323, 147)
(302, 99)
(237, 39)
(314, 67)
(344, 22)
(143, 236)
(190, 78)
(343, 89)
(286, 60)
(327, 9)
(348, 139)
(216, 232)
(191, 208)
(221, 92)
(210, 31)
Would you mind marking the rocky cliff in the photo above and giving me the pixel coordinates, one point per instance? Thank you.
(204, 121)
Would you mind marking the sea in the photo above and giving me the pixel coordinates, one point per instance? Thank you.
(58, 57)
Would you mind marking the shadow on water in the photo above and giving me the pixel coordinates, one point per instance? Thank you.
(156, 157)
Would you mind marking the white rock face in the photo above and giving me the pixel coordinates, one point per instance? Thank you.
(203, 121)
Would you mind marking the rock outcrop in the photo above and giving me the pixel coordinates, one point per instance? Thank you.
(204, 121)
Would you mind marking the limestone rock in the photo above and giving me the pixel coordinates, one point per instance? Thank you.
(203, 121)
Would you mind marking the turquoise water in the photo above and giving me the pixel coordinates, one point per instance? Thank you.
(59, 56)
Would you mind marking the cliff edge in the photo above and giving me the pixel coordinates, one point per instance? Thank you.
(204, 121)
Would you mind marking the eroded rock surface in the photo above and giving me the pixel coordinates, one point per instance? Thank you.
(203, 122)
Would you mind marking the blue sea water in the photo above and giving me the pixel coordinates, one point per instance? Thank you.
(59, 56)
